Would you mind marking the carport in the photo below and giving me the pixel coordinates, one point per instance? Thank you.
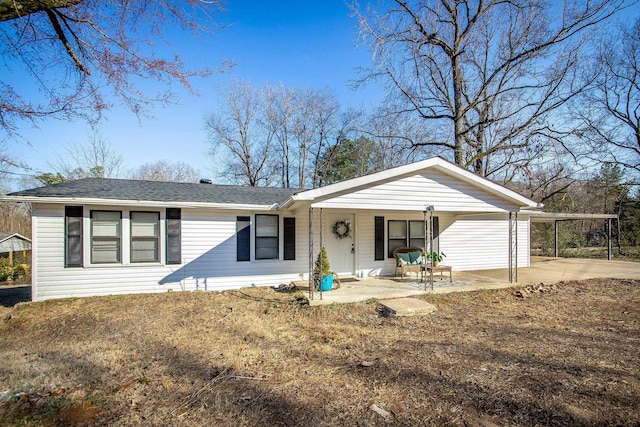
(556, 218)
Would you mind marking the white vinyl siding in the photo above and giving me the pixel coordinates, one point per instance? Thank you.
(445, 192)
(208, 258)
(473, 225)
(473, 243)
(483, 243)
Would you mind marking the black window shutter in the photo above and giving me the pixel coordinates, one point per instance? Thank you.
(174, 236)
(73, 236)
(379, 238)
(436, 227)
(243, 238)
(436, 234)
(289, 238)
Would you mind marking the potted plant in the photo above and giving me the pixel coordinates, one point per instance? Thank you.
(435, 257)
(322, 277)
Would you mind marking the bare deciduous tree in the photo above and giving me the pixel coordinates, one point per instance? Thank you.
(277, 136)
(491, 71)
(164, 170)
(305, 122)
(611, 111)
(327, 126)
(235, 133)
(78, 52)
(279, 116)
(96, 159)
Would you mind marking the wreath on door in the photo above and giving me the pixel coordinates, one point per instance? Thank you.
(342, 229)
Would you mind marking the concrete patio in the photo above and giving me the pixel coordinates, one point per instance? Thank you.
(542, 270)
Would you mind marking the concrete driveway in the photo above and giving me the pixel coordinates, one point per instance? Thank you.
(553, 270)
(542, 270)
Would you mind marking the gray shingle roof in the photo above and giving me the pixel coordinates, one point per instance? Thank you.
(126, 189)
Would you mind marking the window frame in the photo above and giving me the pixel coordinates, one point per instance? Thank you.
(259, 238)
(93, 238)
(403, 240)
(407, 240)
(422, 237)
(133, 238)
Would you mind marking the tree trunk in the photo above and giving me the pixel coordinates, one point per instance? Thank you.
(12, 9)
(458, 117)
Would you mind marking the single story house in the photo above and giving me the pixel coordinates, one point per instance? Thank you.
(13, 242)
(110, 236)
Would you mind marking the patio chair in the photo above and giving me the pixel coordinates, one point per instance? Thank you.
(409, 259)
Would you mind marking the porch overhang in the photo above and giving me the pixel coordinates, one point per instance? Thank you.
(440, 166)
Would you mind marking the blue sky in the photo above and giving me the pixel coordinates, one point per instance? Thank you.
(298, 43)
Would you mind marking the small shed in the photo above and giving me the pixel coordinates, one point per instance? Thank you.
(14, 242)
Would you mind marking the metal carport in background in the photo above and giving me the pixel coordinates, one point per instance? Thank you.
(556, 218)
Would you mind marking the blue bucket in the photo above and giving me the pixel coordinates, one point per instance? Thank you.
(327, 282)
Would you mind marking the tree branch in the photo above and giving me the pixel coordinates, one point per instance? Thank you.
(13, 9)
(63, 38)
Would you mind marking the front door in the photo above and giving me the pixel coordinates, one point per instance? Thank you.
(339, 239)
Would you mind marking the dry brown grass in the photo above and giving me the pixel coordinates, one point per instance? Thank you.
(258, 357)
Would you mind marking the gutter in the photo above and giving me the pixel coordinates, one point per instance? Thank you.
(149, 203)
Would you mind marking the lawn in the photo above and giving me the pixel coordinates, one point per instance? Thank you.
(568, 356)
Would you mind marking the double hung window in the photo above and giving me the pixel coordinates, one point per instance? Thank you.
(145, 236)
(404, 233)
(267, 236)
(105, 237)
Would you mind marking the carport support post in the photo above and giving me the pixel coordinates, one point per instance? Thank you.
(609, 239)
(555, 239)
(513, 247)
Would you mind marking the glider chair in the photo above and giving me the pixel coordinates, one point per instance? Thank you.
(409, 259)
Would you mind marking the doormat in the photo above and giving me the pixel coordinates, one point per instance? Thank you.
(349, 280)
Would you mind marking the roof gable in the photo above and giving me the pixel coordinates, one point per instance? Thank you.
(434, 164)
(8, 236)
